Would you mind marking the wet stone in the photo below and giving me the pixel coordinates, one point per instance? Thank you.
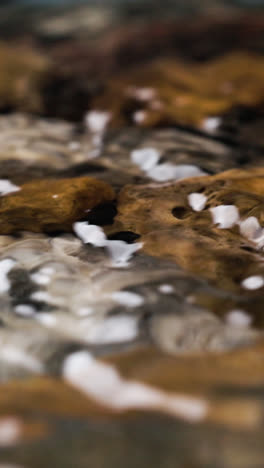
(51, 205)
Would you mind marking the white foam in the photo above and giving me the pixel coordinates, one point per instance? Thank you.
(211, 124)
(48, 270)
(97, 121)
(225, 216)
(16, 356)
(145, 158)
(25, 310)
(168, 171)
(74, 145)
(7, 187)
(238, 318)
(253, 282)
(95, 153)
(115, 329)
(40, 278)
(97, 140)
(6, 266)
(197, 201)
(41, 296)
(90, 234)
(127, 298)
(46, 319)
(10, 431)
(166, 288)
(103, 383)
(84, 311)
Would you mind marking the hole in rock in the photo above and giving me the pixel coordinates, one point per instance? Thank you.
(200, 190)
(127, 236)
(51, 231)
(179, 212)
(248, 248)
(102, 214)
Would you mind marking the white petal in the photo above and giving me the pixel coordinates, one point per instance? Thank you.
(211, 124)
(250, 227)
(197, 201)
(226, 216)
(90, 233)
(7, 187)
(238, 318)
(253, 282)
(97, 121)
(145, 158)
(103, 383)
(166, 288)
(121, 252)
(168, 171)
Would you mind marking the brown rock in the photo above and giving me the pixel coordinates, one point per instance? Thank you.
(83, 433)
(204, 376)
(194, 373)
(135, 43)
(200, 376)
(23, 72)
(184, 93)
(169, 227)
(46, 395)
(51, 205)
(31, 82)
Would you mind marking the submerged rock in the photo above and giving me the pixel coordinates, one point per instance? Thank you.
(185, 94)
(23, 72)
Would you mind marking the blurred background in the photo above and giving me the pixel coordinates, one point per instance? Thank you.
(83, 44)
(55, 19)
